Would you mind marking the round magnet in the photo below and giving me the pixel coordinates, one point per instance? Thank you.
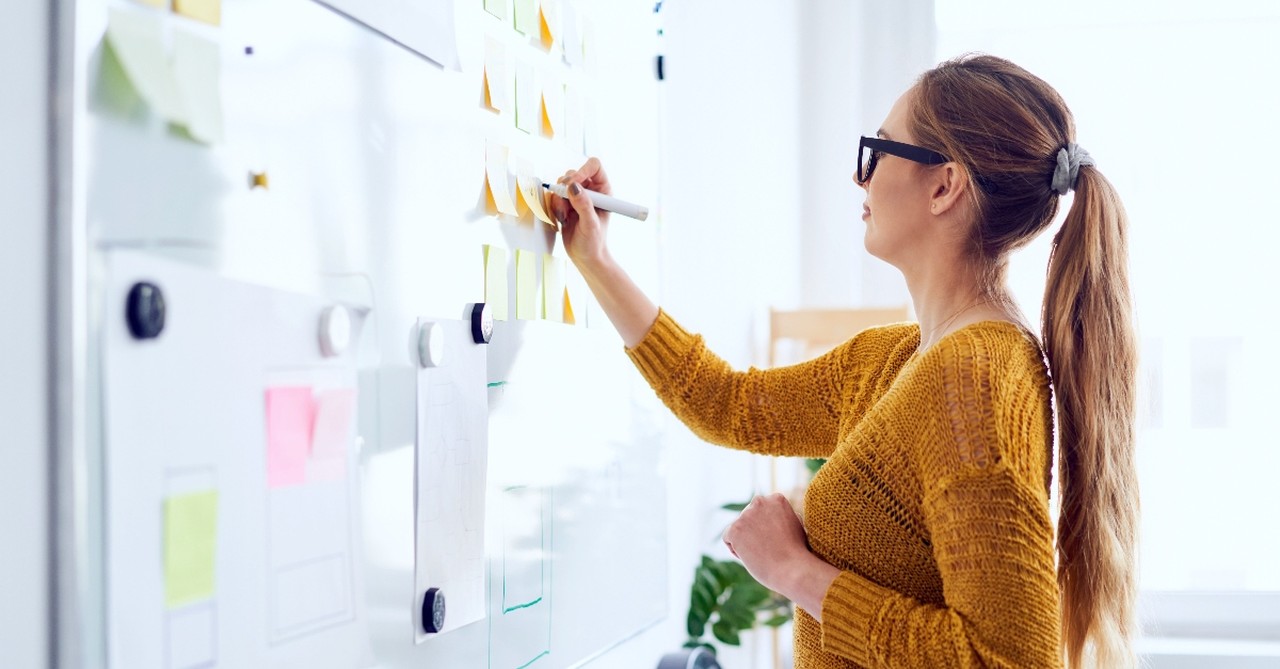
(481, 323)
(335, 331)
(144, 310)
(433, 611)
(430, 345)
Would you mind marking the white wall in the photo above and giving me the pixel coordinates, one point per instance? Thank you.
(24, 573)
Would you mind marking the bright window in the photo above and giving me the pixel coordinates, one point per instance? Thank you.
(1179, 103)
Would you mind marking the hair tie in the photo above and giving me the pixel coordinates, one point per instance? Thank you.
(1070, 158)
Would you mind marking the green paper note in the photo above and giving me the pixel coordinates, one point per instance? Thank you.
(190, 547)
(526, 285)
(495, 281)
(497, 7)
(526, 17)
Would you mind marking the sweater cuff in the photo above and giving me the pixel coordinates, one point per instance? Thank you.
(848, 610)
(663, 347)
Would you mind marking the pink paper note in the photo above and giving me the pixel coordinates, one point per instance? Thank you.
(290, 414)
(332, 435)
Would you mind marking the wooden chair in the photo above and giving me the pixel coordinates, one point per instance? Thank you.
(816, 331)
(820, 330)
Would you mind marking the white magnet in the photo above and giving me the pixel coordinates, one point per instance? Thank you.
(430, 345)
(335, 331)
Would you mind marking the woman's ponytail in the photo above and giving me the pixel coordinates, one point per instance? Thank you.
(1090, 343)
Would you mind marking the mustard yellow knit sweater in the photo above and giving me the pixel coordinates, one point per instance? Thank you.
(934, 502)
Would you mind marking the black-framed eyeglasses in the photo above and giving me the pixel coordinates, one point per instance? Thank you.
(870, 149)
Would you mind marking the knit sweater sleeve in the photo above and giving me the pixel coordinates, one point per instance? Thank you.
(794, 411)
(986, 508)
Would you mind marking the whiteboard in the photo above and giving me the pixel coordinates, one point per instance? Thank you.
(376, 164)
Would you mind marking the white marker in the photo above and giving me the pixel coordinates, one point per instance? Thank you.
(602, 201)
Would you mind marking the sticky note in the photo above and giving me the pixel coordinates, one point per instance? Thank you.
(573, 124)
(552, 288)
(526, 285)
(552, 117)
(158, 4)
(527, 94)
(209, 11)
(495, 281)
(190, 547)
(497, 7)
(568, 309)
(547, 23)
(138, 42)
(570, 33)
(496, 181)
(495, 75)
(331, 431)
(531, 193)
(289, 424)
(197, 67)
(526, 17)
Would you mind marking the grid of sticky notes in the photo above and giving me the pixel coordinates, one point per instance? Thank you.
(546, 287)
(308, 433)
(176, 71)
(534, 57)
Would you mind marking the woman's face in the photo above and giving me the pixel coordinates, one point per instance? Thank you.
(896, 210)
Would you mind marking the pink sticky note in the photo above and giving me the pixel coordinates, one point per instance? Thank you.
(289, 421)
(332, 431)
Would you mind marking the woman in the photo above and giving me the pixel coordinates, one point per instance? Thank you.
(927, 539)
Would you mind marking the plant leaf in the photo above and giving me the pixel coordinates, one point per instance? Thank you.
(726, 633)
(777, 621)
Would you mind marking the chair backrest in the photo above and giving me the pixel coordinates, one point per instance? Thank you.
(820, 330)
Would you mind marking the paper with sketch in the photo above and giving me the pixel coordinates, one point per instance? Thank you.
(138, 42)
(451, 464)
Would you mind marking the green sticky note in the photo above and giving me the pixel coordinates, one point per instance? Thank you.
(497, 7)
(190, 545)
(526, 285)
(526, 17)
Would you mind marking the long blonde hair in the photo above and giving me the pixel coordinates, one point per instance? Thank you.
(1006, 126)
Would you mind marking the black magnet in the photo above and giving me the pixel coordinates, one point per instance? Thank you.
(433, 611)
(481, 323)
(145, 310)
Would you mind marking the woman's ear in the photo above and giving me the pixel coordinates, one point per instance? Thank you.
(949, 185)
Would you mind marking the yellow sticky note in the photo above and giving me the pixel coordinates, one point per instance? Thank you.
(551, 108)
(497, 7)
(495, 75)
(137, 40)
(552, 288)
(190, 547)
(526, 17)
(158, 4)
(527, 93)
(495, 281)
(197, 67)
(533, 194)
(497, 183)
(526, 285)
(209, 11)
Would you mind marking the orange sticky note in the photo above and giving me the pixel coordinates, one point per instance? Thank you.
(496, 181)
(544, 25)
(209, 11)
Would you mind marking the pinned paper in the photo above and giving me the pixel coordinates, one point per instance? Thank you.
(526, 17)
(138, 42)
(495, 75)
(197, 67)
(190, 547)
(526, 285)
(290, 415)
(495, 281)
(552, 288)
(496, 182)
(527, 94)
(209, 11)
(552, 108)
(497, 7)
